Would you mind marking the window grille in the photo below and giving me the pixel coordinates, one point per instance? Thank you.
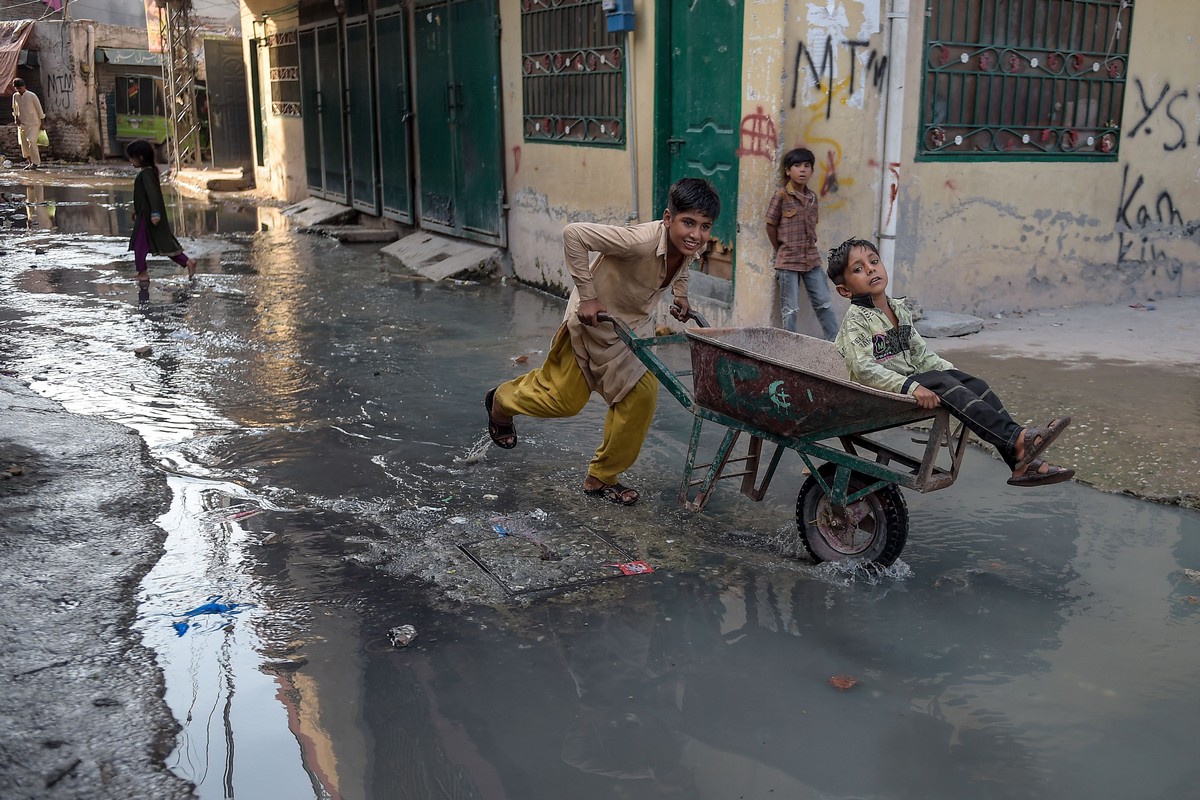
(285, 74)
(1024, 79)
(574, 74)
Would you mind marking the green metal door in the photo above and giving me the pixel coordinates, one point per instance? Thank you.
(461, 177)
(360, 108)
(435, 130)
(475, 60)
(310, 94)
(321, 107)
(395, 115)
(333, 141)
(705, 99)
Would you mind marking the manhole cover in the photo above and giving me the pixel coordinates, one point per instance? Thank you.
(523, 560)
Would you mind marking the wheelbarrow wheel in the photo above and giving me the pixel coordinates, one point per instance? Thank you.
(874, 528)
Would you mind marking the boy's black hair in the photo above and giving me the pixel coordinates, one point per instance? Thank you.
(800, 155)
(18, 83)
(839, 257)
(143, 151)
(694, 194)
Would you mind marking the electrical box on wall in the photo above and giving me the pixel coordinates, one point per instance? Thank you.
(618, 14)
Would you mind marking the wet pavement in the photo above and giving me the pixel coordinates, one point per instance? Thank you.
(316, 413)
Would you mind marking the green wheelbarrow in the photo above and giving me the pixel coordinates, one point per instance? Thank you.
(793, 391)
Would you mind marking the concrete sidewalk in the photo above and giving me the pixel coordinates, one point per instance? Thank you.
(1129, 376)
(81, 708)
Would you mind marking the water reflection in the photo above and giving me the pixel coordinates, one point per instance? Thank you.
(1035, 646)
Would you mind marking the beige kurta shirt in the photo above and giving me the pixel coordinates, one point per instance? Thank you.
(27, 110)
(628, 276)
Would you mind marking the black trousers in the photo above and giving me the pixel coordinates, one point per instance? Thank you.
(971, 400)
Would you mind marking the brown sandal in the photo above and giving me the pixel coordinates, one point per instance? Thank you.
(502, 435)
(614, 493)
(1032, 476)
(1038, 438)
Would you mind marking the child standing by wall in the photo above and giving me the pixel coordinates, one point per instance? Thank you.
(792, 229)
(634, 267)
(884, 351)
(151, 230)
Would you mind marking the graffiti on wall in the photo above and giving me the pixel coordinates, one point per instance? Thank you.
(60, 92)
(823, 76)
(757, 136)
(1150, 224)
(58, 79)
(817, 68)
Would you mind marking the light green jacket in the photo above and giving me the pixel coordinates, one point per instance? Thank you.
(882, 356)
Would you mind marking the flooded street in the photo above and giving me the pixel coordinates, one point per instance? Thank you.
(318, 414)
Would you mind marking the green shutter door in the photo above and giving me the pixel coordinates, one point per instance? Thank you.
(391, 37)
(705, 99)
(475, 52)
(461, 175)
(310, 93)
(360, 107)
(435, 120)
(333, 144)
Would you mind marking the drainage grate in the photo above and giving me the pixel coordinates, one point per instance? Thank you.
(547, 560)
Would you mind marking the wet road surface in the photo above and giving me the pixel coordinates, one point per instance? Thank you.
(319, 415)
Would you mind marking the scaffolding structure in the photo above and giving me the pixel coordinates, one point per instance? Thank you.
(178, 47)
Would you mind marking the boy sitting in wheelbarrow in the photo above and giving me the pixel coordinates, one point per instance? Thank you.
(634, 267)
(884, 351)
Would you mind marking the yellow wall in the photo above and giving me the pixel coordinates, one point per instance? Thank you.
(989, 236)
(979, 237)
(283, 175)
(986, 237)
(549, 184)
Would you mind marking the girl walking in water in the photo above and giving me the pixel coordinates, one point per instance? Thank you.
(151, 230)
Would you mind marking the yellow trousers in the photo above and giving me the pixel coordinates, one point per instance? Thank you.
(558, 389)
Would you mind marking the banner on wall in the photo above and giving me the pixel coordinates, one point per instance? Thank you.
(12, 42)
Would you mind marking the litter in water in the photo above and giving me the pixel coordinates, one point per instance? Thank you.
(843, 682)
(633, 567)
(209, 606)
(402, 635)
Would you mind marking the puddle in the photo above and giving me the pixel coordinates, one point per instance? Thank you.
(320, 424)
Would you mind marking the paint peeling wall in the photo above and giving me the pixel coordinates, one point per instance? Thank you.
(283, 174)
(64, 66)
(988, 237)
(549, 185)
(815, 73)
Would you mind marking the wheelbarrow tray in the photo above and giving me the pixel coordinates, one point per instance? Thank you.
(789, 385)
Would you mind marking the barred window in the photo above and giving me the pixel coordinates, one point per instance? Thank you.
(285, 74)
(1024, 79)
(574, 73)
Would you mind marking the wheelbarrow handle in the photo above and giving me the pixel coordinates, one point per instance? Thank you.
(695, 316)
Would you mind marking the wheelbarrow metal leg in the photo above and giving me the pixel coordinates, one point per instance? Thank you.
(753, 458)
(714, 470)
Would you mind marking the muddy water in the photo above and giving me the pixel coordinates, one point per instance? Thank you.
(319, 415)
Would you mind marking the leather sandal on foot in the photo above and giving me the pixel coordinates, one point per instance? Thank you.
(614, 493)
(1038, 438)
(502, 435)
(1033, 476)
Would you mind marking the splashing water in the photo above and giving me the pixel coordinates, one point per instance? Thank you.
(477, 451)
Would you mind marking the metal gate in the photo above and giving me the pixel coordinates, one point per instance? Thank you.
(228, 120)
(705, 38)
(360, 114)
(458, 119)
(321, 106)
(395, 116)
